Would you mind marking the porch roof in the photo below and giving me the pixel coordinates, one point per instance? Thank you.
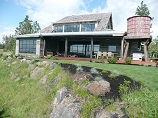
(97, 33)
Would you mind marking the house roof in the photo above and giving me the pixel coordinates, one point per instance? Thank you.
(96, 33)
(101, 18)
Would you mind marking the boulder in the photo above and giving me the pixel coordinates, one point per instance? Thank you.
(64, 105)
(81, 76)
(99, 88)
(118, 113)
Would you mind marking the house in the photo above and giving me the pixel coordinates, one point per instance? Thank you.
(81, 36)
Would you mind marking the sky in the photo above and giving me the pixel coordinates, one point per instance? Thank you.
(47, 11)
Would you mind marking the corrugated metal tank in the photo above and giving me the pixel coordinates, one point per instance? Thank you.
(138, 26)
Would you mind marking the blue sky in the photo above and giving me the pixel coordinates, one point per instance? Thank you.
(47, 11)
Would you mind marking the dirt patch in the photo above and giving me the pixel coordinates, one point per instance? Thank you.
(113, 78)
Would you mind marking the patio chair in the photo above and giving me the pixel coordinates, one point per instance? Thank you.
(110, 54)
(105, 54)
(99, 54)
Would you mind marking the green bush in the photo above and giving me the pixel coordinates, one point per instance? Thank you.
(55, 58)
(112, 60)
(19, 55)
(48, 56)
(101, 58)
(128, 61)
(11, 55)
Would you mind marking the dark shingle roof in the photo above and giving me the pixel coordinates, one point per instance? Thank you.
(101, 18)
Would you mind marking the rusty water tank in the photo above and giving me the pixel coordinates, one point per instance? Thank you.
(138, 26)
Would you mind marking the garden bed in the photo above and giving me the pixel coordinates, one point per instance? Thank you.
(115, 79)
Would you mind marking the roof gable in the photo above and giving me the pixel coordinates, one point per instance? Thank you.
(102, 20)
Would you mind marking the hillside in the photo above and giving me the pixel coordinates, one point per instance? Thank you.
(31, 88)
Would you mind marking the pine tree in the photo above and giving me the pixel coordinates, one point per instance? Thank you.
(27, 27)
(142, 10)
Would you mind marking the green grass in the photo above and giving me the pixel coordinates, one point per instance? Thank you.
(23, 98)
(27, 98)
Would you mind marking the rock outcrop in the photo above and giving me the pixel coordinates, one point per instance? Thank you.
(36, 72)
(65, 105)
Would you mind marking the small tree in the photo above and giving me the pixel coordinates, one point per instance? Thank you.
(27, 27)
(142, 10)
(153, 49)
(9, 43)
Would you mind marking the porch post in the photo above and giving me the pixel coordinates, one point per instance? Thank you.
(91, 48)
(66, 42)
(122, 44)
(146, 50)
(43, 46)
(126, 51)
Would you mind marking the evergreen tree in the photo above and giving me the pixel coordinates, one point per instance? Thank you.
(9, 43)
(142, 10)
(27, 27)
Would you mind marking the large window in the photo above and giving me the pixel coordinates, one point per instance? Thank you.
(83, 49)
(58, 28)
(87, 27)
(27, 46)
(72, 28)
(112, 48)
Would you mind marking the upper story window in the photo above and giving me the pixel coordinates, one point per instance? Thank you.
(87, 27)
(58, 28)
(72, 28)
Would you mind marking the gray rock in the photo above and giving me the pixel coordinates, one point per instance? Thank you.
(99, 88)
(28, 61)
(60, 95)
(64, 105)
(23, 60)
(78, 77)
(36, 72)
(109, 114)
(13, 75)
(14, 62)
(43, 80)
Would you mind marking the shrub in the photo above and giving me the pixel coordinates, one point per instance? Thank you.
(11, 55)
(123, 88)
(112, 60)
(19, 55)
(48, 56)
(112, 76)
(128, 61)
(55, 58)
(101, 58)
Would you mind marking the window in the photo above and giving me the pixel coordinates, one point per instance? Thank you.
(83, 49)
(87, 27)
(112, 48)
(59, 28)
(72, 28)
(27, 46)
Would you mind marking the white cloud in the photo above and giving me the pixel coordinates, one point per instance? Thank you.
(6, 30)
(47, 11)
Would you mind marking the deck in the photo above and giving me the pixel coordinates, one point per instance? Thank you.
(141, 63)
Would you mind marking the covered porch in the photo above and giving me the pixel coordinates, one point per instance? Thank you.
(83, 45)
